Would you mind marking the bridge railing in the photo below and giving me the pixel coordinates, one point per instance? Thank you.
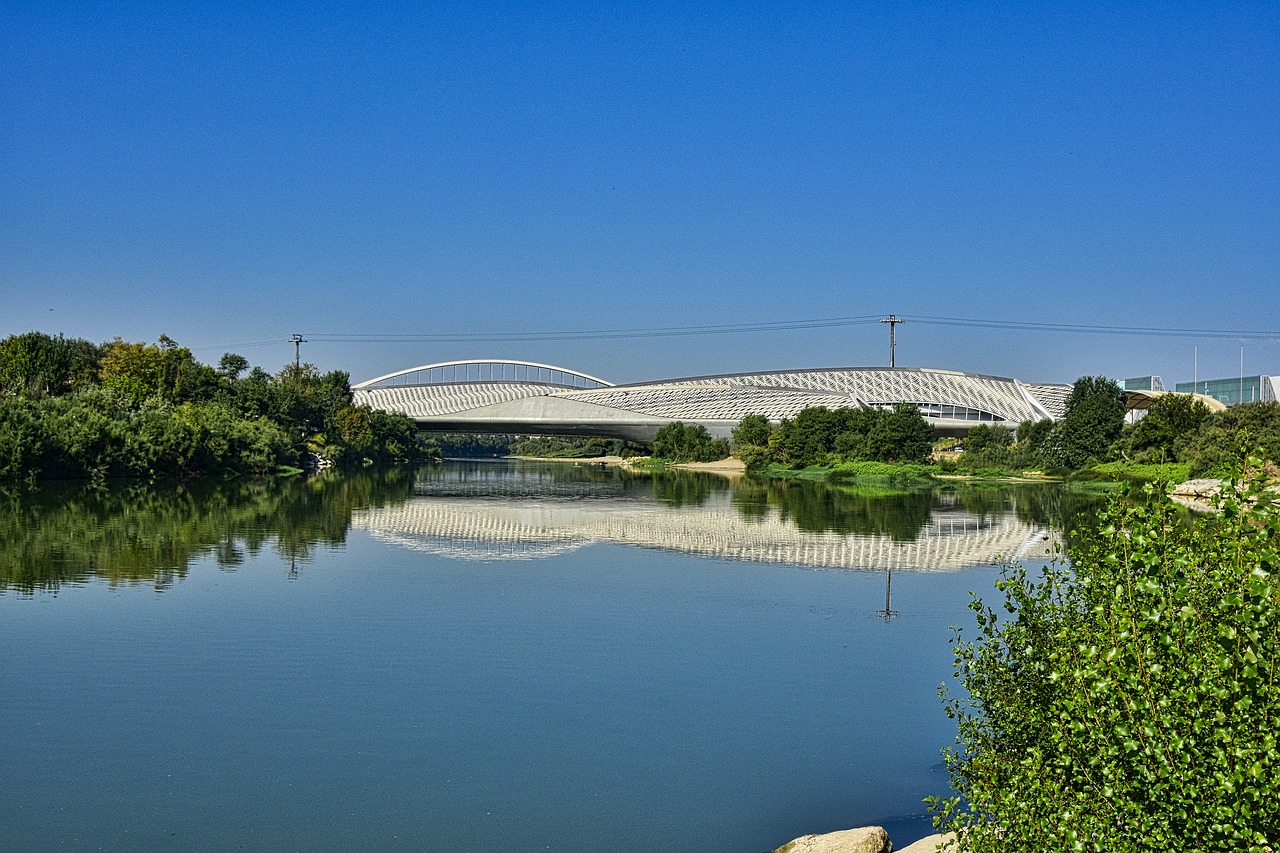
(485, 370)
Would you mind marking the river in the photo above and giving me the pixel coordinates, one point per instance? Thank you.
(504, 656)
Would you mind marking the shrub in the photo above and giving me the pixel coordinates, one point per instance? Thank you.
(680, 442)
(1128, 702)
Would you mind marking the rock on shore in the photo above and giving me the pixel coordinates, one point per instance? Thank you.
(866, 839)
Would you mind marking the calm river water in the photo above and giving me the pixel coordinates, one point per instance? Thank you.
(484, 656)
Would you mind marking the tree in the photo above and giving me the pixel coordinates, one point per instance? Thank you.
(1217, 443)
(1169, 421)
(811, 435)
(902, 435)
(37, 364)
(1127, 701)
(230, 366)
(680, 442)
(984, 436)
(1094, 420)
(166, 370)
(752, 430)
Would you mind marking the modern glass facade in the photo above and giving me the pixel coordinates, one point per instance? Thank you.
(1246, 389)
(1142, 383)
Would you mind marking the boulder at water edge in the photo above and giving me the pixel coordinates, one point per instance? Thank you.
(866, 839)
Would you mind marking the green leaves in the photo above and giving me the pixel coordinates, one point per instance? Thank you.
(1130, 700)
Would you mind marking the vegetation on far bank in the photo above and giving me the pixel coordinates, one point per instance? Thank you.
(1178, 438)
(73, 409)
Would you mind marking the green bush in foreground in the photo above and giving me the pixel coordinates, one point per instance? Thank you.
(1129, 701)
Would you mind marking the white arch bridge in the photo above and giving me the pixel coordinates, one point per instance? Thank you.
(521, 397)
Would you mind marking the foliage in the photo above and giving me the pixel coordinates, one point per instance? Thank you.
(882, 472)
(752, 431)
(755, 457)
(680, 442)
(1127, 702)
(821, 436)
(1165, 472)
(562, 447)
(1213, 448)
(36, 364)
(1169, 422)
(808, 438)
(1032, 436)
(166, 371)
(902, 435)
(986, 436)
(472, 445)
(1093, 421)
(72, 409)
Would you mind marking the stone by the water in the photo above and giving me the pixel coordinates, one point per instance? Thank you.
(866, 839)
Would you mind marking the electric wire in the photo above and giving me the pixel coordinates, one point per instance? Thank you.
(758, 327)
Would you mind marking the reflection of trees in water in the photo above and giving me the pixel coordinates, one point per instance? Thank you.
(67, 534)
(830, 508)
(901, 514)
(686, 488)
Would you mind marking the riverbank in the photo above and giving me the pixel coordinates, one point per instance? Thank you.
(729, 467)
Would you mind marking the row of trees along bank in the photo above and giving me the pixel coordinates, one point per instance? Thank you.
(1176, 429)
(70, 408)
(815, 436)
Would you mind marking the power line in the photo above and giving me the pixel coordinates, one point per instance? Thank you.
(1024, 326)
(750, 328)
(790, 325)
(596, 334)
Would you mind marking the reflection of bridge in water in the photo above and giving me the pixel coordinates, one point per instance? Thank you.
(483, 528)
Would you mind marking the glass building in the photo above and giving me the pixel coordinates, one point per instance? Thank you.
(1237, 389)
(1142, 383)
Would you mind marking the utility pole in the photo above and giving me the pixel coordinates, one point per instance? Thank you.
(893, 322)
(888, 613)
(297, 341)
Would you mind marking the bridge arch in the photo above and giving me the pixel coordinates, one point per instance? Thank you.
(485, 370)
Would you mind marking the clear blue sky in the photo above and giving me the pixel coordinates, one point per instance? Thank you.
(230, 174)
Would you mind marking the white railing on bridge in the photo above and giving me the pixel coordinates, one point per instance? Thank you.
(485, 370)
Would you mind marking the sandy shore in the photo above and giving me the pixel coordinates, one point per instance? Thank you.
(724, 467)
(728, 467)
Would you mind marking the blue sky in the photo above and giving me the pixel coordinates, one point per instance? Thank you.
(380, 176)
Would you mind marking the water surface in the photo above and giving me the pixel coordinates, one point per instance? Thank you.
(501, 656)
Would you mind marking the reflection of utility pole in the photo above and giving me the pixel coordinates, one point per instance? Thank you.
(893, 322)
(887, 613)
(297, 341)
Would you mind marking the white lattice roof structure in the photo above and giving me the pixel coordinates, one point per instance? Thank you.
(524, 397)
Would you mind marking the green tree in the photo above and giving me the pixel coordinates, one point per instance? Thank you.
(680, 442)
(230, 366)
(1128, 701)
(1217, 443)
(1032, 439)
(163, 370)
(1094, 420)
(810, 436)
(22, 439)
(38, 364)
(902, 435)
(1170, 420)
(752, 430)
(985, 436)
